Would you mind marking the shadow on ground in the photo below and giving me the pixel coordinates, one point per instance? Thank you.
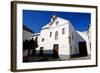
(39, 58)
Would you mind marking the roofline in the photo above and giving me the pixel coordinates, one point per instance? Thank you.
(27, 28)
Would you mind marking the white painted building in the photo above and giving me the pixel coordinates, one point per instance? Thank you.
(60, 38)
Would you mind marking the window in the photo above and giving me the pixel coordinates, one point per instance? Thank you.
(90, 46)
(71, 47)
(72, 36)
(56, 35)
(42, 39)
(57, 22)
(50, 34)
(69, 40)
(63, 31)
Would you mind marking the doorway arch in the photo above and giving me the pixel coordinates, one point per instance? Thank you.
(56, 50)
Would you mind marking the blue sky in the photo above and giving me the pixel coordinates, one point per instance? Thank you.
(35, 20)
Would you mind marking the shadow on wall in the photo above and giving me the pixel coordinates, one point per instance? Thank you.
(44, 52)
(82, 45)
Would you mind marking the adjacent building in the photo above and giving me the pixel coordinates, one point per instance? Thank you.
(27, 33)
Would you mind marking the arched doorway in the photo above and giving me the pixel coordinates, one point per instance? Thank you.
(55, 50)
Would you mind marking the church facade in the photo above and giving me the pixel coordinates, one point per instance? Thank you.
(60, 38)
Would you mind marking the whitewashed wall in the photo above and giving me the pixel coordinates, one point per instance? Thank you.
(74, 49)
(26, 35)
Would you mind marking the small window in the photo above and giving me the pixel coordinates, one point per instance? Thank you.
(63, 31)
(42, 39)
(71, 47)
(50, 34)
(56, 35)
(57, 22)
(72, 36)
(69, 40)
(90, 46)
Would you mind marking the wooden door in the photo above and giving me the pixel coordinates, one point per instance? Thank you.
(55, 50)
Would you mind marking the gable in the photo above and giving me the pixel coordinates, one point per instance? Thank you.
(58, 22)
(55, 22)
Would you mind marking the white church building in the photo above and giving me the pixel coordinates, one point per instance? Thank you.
(60, 39)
